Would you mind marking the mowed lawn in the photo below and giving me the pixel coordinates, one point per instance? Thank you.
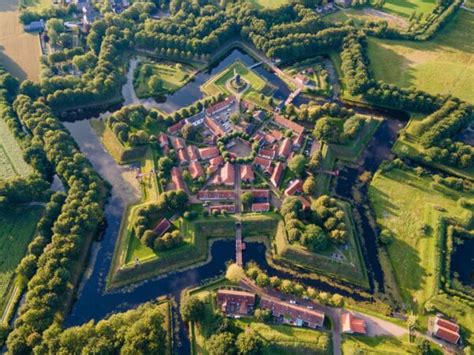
(16, 231)
(11, 156)
(36, 4)
(404, 8)
(376, 345)
(444, 65)
(269, 4)
(404, 204)
(19, 51)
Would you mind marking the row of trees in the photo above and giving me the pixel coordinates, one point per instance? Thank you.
(50, 288)
(331, 130)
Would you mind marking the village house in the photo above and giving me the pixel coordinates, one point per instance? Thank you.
(162, 227)
(293, 314)
(267, 153)
(174, 129)
(216, 129)
(220, 208)
(352, 325)
(285, 123)
(277, 174)
(177, 179)
(285, 149)
(208, 153)
(193, 153)
(446, 330)
(263, 163)
(277, 134)
(298, 141)
(301, 79)
(196, 170)
(178, 143)
(183, 156)
(221, 106)
(234, 302)
(260, 207)
(295, 187)
(208, 195)
(226, 176)
(246, 173)
(163, 140)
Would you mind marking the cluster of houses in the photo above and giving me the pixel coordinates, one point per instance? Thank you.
(237, 303)
(206, 164)
(444, 329)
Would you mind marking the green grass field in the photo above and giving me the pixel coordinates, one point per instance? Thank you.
(17, 227)
(404, 203)
(257, 84)
(36, 4)
(377, 345)
(269, 4)
(444, 65)
(11, 156)
(172, 76)
(406, 7)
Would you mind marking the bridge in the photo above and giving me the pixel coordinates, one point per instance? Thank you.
(255, 65)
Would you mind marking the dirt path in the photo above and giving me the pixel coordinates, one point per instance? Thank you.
(391, 19)
(19, 51)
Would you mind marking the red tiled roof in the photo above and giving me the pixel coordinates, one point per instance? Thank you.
(177, 179)
(246, 173)
(208, 153)
(293, 126)
(193, 153)
(267, 153)
(305, 202)
(447, 324)
(163, 139)
(298, 140)
(270, 139)
(215, 127)
(277, 134)
(293, 313)
(217, 161)
(235, 301)
(216, 195)
(263, 163)
(176, 127)
(183, 156)
(195, 169)
(294, 187)
(350, 324)
(228, 208)
(285, 148)
(261, 194)
(226, 175)
(220, 106)
(258, 136)
(447, 335)
(261, 207)
(178, 143)
(162, 227)
(277, 173)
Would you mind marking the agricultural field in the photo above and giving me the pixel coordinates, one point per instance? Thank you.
(11, 156)
(19, 51)
(443, 65)
(406, 8)
(269, 4)
(257, 86)
(171, 76)
(17, 227)
(410, 207)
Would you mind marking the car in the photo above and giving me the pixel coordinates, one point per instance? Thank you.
(309, 306)
(292, 302)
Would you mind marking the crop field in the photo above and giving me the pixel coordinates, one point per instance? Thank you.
(410, 207)
(11, 157)
(443, 65)
(172, 76)
(269, 4)
(16, 230)
(19, 51)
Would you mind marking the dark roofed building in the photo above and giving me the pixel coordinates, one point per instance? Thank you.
(162, 227)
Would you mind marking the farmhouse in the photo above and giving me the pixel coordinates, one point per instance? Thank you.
(215, 128)
(193, 153)
(351, 324)
(221, 106)
(226, 176)
(263, 163)
(176, 127)
(293, 314)
(234, 302)
(285, 148)
(35, 26)
(446, 330)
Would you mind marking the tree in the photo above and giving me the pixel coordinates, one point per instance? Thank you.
(192, 309)
(315, 238)
(221, 344)
(247, 199)
(263, 315)
(423, 345)
(310, 187)
(297, 164)
(155, 84)
(189, 132)
(235, 273)
(249, 343)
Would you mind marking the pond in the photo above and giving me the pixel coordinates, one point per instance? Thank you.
(462, 261)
